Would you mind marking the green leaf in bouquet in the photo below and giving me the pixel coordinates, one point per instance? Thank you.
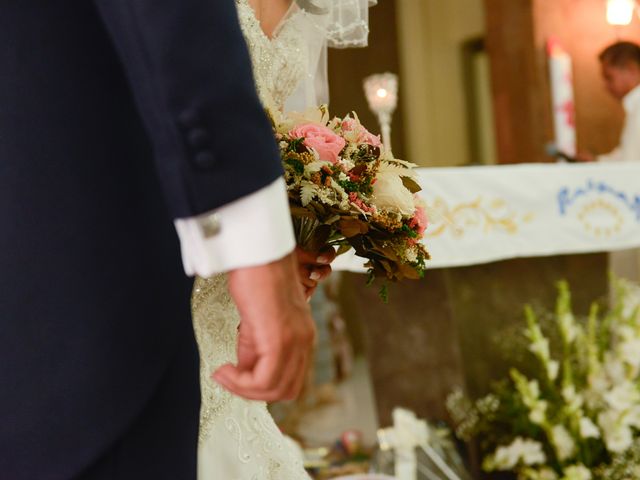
(410, 232)
(297, 145)
(295, 164)
(411, 185)
(384, 293)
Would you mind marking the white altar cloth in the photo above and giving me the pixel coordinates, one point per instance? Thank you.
(490, 213)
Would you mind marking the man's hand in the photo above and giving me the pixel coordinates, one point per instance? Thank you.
(276, 332)
(314, 267)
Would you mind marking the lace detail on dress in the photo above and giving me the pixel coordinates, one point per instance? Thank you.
(238, 438)
(279, 63)
(215, 322)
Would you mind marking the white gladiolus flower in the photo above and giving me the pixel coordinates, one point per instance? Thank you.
(631, 299)
(623, 397)
(540, 347)
(563, 442)
(617, 435)
(568, 327)
(588, 429)
(521, 451)
(614, 368)
(598, 386)
(534, 389)
(632, 417)
(538, 412)
(544, 474)
(553, 368)
(574, 400)
(577, 472)
(629, 352)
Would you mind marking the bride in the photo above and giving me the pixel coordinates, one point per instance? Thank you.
(287, 40)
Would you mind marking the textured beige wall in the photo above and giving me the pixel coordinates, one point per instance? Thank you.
(431, 34)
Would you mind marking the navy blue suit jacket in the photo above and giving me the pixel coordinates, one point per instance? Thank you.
(116, 116)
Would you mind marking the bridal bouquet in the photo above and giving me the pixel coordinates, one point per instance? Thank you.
(578, 418)
(345, 191)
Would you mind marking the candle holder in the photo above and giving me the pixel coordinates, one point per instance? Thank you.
(382, 95)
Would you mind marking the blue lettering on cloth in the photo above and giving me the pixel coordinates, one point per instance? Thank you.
(567, 197)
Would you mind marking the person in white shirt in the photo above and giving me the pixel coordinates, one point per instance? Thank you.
(620, 64)
(621, 73)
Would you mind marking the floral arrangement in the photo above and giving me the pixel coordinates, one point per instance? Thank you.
(345, 190)
(578, 418)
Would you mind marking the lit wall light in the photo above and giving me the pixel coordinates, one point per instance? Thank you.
(620, 12)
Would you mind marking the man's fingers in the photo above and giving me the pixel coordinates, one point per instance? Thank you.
(259, 383)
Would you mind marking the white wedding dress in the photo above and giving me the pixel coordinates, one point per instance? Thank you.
(238, 438)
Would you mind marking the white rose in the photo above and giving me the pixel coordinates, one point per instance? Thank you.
(389, 193)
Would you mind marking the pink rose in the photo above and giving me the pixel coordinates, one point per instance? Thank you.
(419, 221)
(349, 124)
(370, 138)
(364, 136)
(327, 144)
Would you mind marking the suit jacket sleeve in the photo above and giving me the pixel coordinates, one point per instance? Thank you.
(189, 70)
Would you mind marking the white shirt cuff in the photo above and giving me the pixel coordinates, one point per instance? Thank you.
(254, 230)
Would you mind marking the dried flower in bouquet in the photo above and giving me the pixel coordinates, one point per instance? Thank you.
(579, 417)
(345, 190)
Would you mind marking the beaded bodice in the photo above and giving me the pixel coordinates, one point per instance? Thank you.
(280, 63)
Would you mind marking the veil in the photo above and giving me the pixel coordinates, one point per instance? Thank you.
(328, 23)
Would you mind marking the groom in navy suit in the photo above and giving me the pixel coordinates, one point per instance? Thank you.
(119, 121)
